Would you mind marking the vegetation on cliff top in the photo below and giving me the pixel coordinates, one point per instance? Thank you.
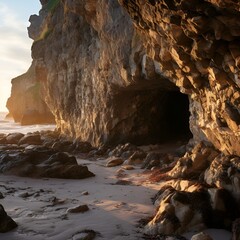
(52, 4)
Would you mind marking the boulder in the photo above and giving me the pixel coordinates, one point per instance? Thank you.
(224, 173)
(31, 139)
(82, 147)
(42, 162)
(63, 145)
(13, 138)
(193, 209)
(194, 162)
(136, 158)
(6, 223)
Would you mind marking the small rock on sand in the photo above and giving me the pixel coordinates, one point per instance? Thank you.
(201, 236)
(114, 161)
(127, 167)
(78, 209)
(85, 193)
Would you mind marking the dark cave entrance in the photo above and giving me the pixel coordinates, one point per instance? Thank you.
(152, 116)
(170, 121)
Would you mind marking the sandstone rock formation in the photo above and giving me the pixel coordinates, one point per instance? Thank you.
(26, 104)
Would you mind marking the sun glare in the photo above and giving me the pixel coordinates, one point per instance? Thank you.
(15, 45)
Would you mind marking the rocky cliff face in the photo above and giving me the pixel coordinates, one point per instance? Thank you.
(99, 82)
(140, 71)
(196, 44)
(25, 103)
(104, 77)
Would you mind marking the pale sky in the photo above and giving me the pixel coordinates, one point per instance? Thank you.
(15, 46)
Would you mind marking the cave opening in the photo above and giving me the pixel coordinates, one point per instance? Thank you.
(172, 118)
(153, 116)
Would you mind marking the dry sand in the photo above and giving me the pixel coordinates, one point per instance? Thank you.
(39, 206)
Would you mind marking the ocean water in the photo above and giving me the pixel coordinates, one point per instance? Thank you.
(9, 126)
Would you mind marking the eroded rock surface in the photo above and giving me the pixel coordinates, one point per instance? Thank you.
(99, 82)
(195, 44)
(112, 81)
(202, 191)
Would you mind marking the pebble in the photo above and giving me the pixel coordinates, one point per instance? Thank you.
(85, 193)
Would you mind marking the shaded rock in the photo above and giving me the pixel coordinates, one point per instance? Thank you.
(6, 222)
(114, 161)
(236, 230)
(224, 173)
(201, 236)
(13, 138)
(55, 201)
(1, 196)
(193, 162)
(120, 173)
(49, 137)
(60, 158)
(137, 157)
(191, 210)
(83, 147)
(123, 182)
(152, 159)
(78, 209)
(43, 162)
(24, 195)
(155, 159)
(3, 139)
(31, 139)
(63, 145)
(67, 171)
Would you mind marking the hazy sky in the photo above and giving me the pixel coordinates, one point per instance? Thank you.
(15, 46)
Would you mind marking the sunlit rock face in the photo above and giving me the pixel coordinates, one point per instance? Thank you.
(111, 67)
(100, 84)
(196, 44)
(26, 104)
